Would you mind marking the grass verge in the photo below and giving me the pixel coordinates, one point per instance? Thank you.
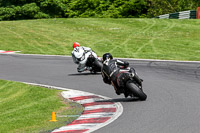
(26, 108)
(171, 39)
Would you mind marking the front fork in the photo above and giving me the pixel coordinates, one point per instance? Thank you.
(138, 81)
(134, 75)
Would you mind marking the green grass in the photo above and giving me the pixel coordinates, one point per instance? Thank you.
(26, 108)
(170, 39)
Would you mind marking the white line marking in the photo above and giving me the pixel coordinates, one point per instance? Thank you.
(77, 127)
(87, 100)
(100, 106)
(96, 115)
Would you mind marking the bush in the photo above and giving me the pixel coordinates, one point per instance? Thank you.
(29, 9)
(40, 15)
(160, 7)
(55, 8)
(8, 13)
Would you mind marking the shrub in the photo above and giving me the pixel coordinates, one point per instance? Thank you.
(28, 9)
(160, 7)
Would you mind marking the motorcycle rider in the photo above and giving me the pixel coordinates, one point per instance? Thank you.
(112, 70)
(80, 55)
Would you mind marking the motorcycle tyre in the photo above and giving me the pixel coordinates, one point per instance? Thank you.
(136, 91)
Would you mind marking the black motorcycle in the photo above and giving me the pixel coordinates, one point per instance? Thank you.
(130, 84)
(94, 63)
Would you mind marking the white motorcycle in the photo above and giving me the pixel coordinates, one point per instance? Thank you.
(87, 59)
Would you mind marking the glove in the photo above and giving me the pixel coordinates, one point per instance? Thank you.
(89, 68)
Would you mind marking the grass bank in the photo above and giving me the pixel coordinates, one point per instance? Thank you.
(129, 37)
(26, 108)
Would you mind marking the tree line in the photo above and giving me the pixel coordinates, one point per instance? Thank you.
(36, 9)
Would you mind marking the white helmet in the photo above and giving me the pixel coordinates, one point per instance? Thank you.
(79, 53)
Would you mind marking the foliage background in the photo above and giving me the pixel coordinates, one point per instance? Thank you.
(34, 9)
(160, 7)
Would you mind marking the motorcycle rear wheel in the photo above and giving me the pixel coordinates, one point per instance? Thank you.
(136, 91)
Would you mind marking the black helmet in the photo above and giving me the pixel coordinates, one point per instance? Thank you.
(107, 56)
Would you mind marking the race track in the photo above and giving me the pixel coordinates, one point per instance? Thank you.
(173, 90)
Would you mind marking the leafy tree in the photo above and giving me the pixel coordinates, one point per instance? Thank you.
(30, 9)
(159, 7)
(54, 8)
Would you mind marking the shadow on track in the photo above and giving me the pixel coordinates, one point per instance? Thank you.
(83, 74)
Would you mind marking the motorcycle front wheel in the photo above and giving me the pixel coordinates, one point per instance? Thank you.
(136, 91)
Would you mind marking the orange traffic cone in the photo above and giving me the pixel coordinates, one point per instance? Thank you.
(53, 117)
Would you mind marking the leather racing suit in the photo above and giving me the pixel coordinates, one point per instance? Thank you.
(82, 61)
(111, 70)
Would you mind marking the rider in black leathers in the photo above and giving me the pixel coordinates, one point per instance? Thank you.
(111, 71)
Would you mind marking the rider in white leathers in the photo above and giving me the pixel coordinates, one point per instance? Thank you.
(80, 55)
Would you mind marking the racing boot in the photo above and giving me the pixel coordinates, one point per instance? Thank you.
(138, 80)
(116, 89)
(125, 95)
(117, 92)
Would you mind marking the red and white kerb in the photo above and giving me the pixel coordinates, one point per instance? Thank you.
(97, 113)
(8, 52)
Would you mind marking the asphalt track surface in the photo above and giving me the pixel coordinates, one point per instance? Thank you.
(173, 90)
